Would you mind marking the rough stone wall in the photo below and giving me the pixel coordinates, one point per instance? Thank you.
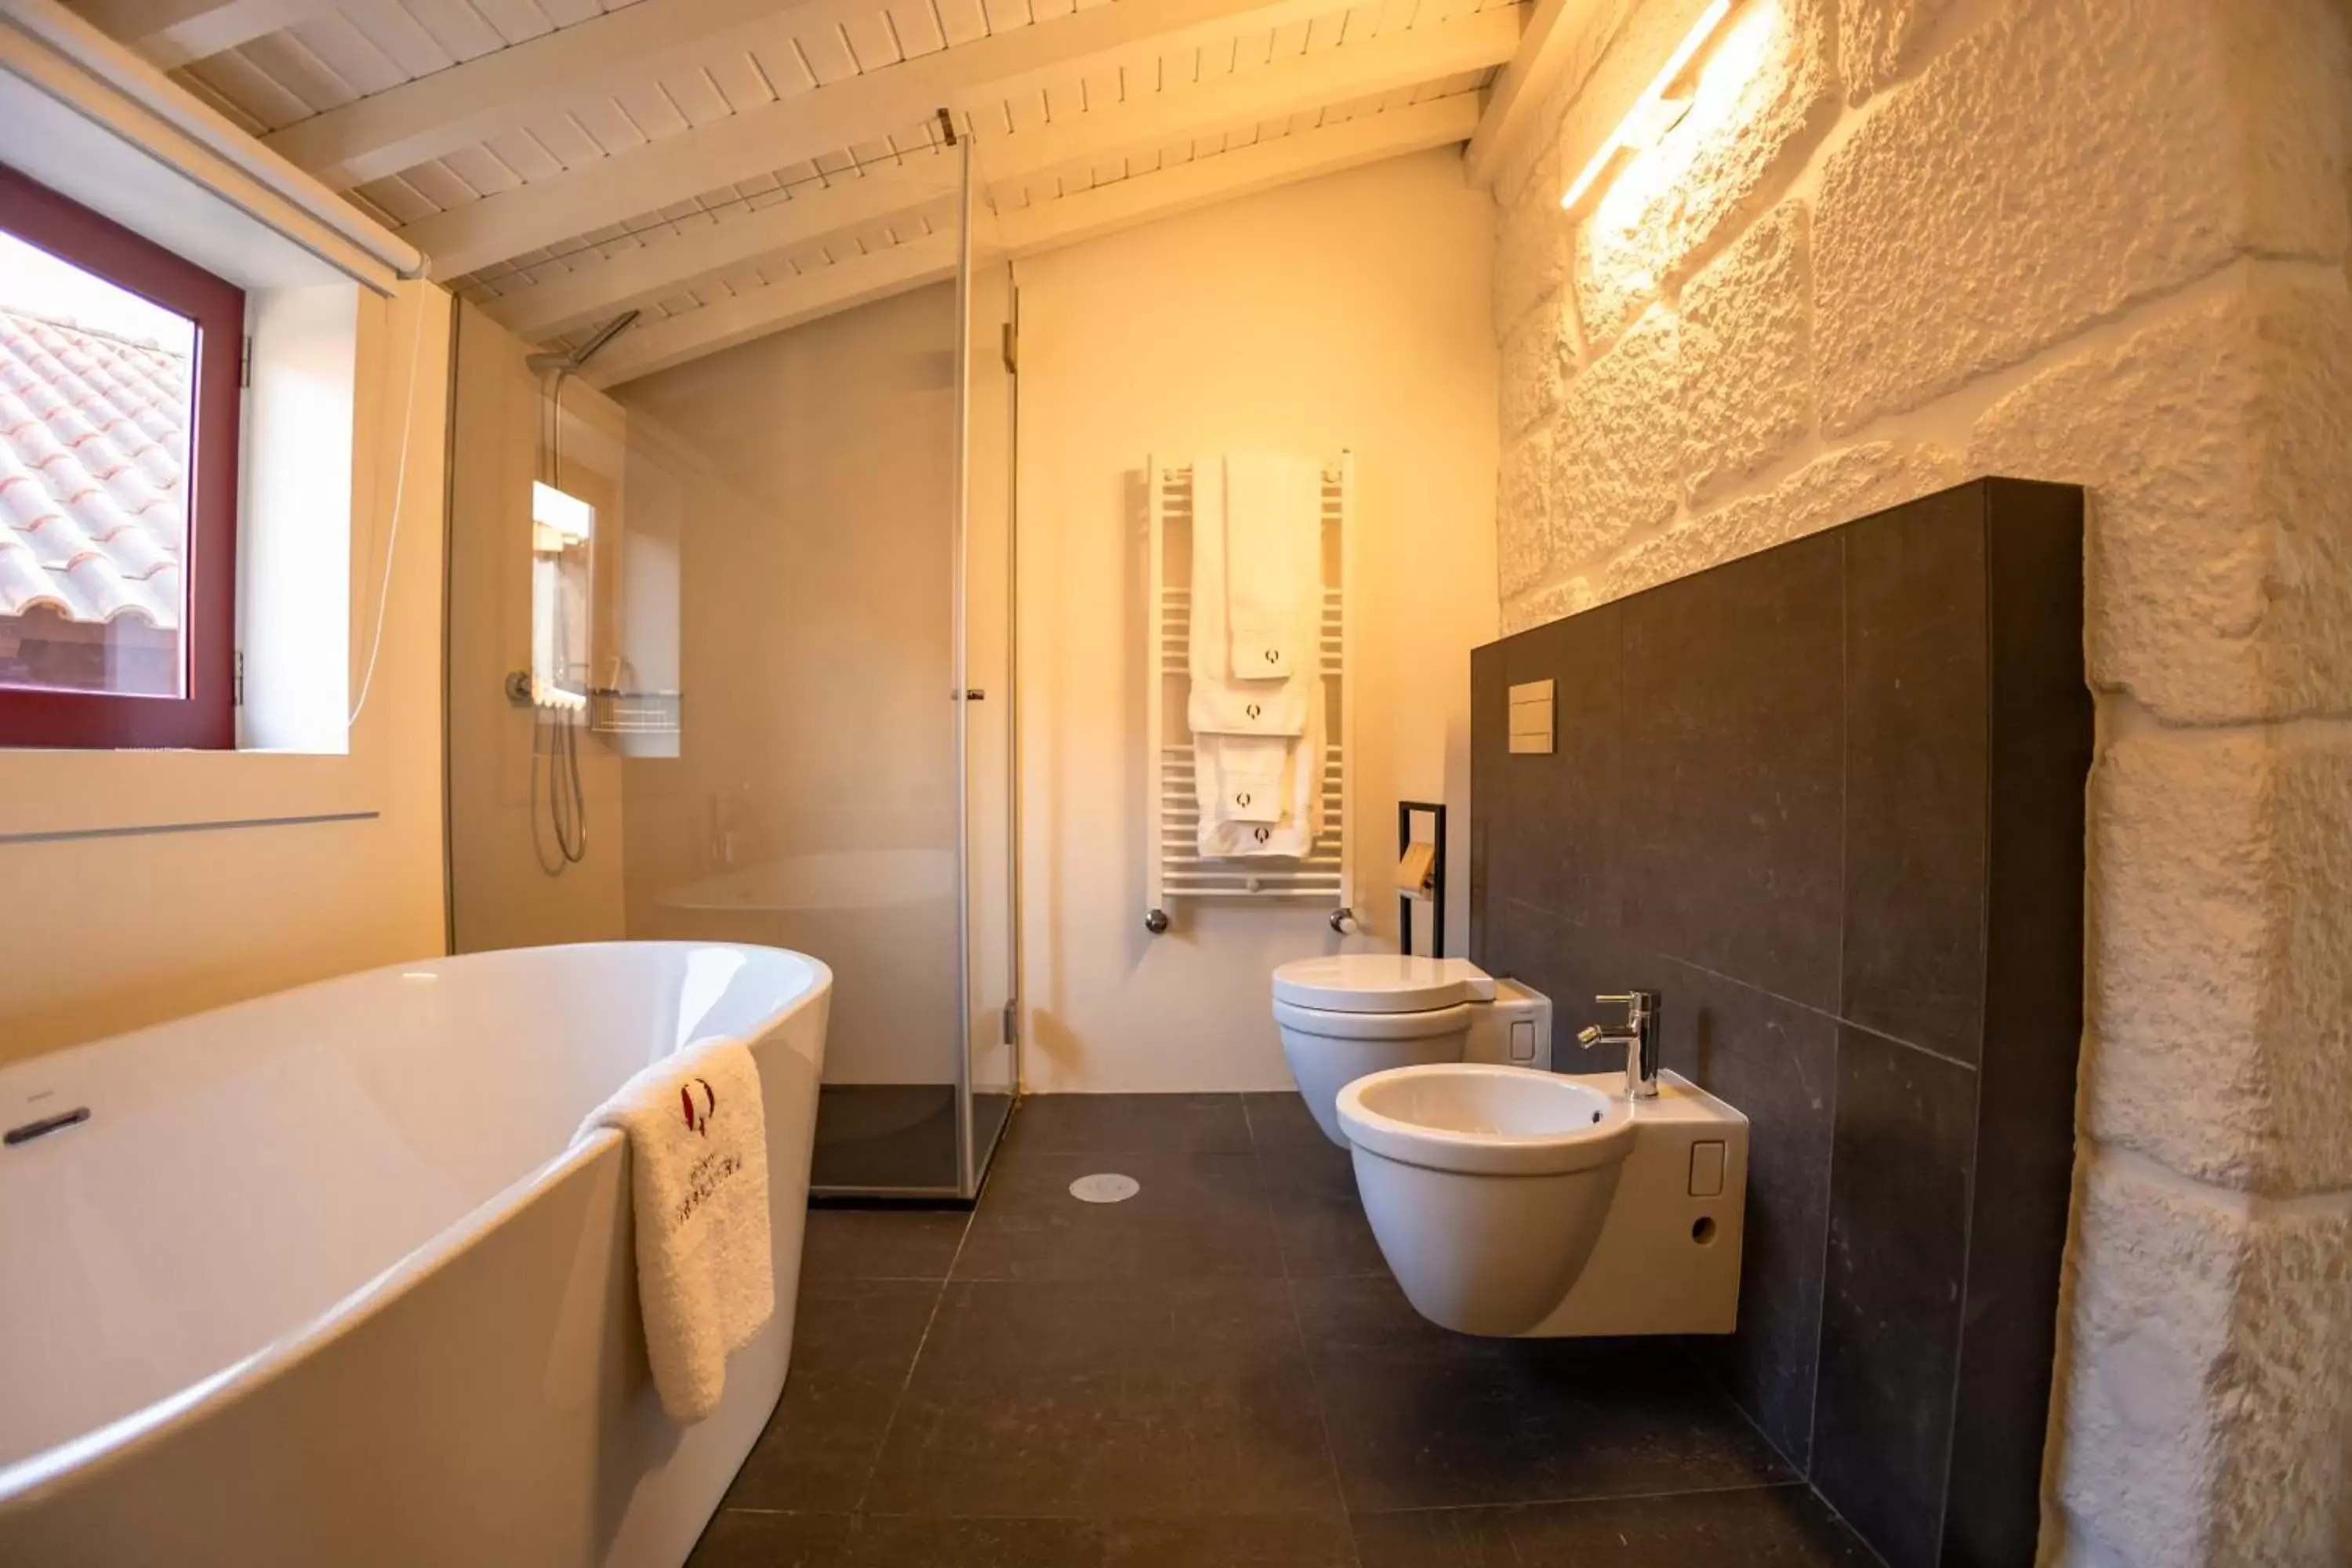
(1896, 242)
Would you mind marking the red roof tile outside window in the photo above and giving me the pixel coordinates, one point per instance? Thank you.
(119, 404)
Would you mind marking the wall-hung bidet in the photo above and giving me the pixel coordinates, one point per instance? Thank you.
(1358, 1013)
(1511, 1201)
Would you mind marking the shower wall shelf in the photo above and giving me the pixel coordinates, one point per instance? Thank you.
(1176, 868)
(615, 712)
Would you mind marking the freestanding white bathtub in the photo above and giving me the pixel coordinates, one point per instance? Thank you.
(322, 1278)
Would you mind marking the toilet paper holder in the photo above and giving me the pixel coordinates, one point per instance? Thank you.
(1434, 879)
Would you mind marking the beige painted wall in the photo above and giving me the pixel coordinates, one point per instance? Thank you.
(500, 895)
(116, 931)
(1347, 313)
(2103, 241)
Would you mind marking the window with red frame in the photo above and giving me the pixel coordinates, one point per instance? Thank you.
(118, 396)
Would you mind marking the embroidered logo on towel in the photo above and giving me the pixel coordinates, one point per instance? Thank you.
(698, 1119)
(703, 1182)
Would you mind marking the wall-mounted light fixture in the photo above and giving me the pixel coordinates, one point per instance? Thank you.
(1659, 110)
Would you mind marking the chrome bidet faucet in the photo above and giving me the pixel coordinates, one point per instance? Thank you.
(1639, 1037)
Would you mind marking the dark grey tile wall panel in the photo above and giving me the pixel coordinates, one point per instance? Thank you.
(1828, 800)
(1565, 808)
(1490, 741)
(1891, 1294)
(1733, 766)
(1777, 1062)
(1916, 742)
(2033, 1023)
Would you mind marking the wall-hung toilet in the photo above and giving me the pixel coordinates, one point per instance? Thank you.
(1356, 1013)
(1511, 1202)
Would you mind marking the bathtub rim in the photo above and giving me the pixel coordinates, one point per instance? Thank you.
(24, 1482)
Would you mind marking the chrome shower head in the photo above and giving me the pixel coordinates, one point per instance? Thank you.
(570, 364)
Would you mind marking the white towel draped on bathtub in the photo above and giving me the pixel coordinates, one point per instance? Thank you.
(699, 1179)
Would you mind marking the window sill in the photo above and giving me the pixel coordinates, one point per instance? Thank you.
(47, 793)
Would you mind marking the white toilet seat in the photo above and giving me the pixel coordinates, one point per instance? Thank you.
(1334, 1024)
(1381, 983)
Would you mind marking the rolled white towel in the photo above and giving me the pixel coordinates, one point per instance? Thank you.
(697, 1132)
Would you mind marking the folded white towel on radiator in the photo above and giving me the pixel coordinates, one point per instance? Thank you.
(1219, 703)
(1272, 565)
(697, 1141)
(1244, 778)
(1292, 834)
(1220, 707)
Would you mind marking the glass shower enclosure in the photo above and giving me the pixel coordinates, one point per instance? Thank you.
(780, 707)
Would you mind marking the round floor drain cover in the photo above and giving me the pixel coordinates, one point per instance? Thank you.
(1106, 1187)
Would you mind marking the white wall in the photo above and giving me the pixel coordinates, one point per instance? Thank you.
(2103, 242)
(1351, 312)
(499, 894)
(112, 932)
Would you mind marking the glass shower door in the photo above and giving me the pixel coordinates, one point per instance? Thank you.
(792, 723)
(815, 804)
(990, 740)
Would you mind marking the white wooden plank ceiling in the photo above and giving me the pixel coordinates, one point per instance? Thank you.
(728, 167)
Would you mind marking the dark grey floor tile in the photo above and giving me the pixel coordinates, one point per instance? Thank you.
(881, 1244)
(1141, 1398)
(1280, 1124)
(886, 1135)
(1255, 1541)
(1196, 1215)
(1757, 1527)
(739, 1540)
(1318, 1215)
(1421, 1417)
(1130, 1123)
(902, 1541)
(853, 1345)
(1433, 1537)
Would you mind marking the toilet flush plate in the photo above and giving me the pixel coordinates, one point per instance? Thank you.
(1668, 1258)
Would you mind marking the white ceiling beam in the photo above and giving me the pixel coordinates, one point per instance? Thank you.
(1275, 92)
(1111, 135)
(1124, 204)
(925, 186)
(1513, 102)
(820, 291)
(169, 34)
(402, 127)
(1224, 176)
(867, 107)
(1606, 58)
